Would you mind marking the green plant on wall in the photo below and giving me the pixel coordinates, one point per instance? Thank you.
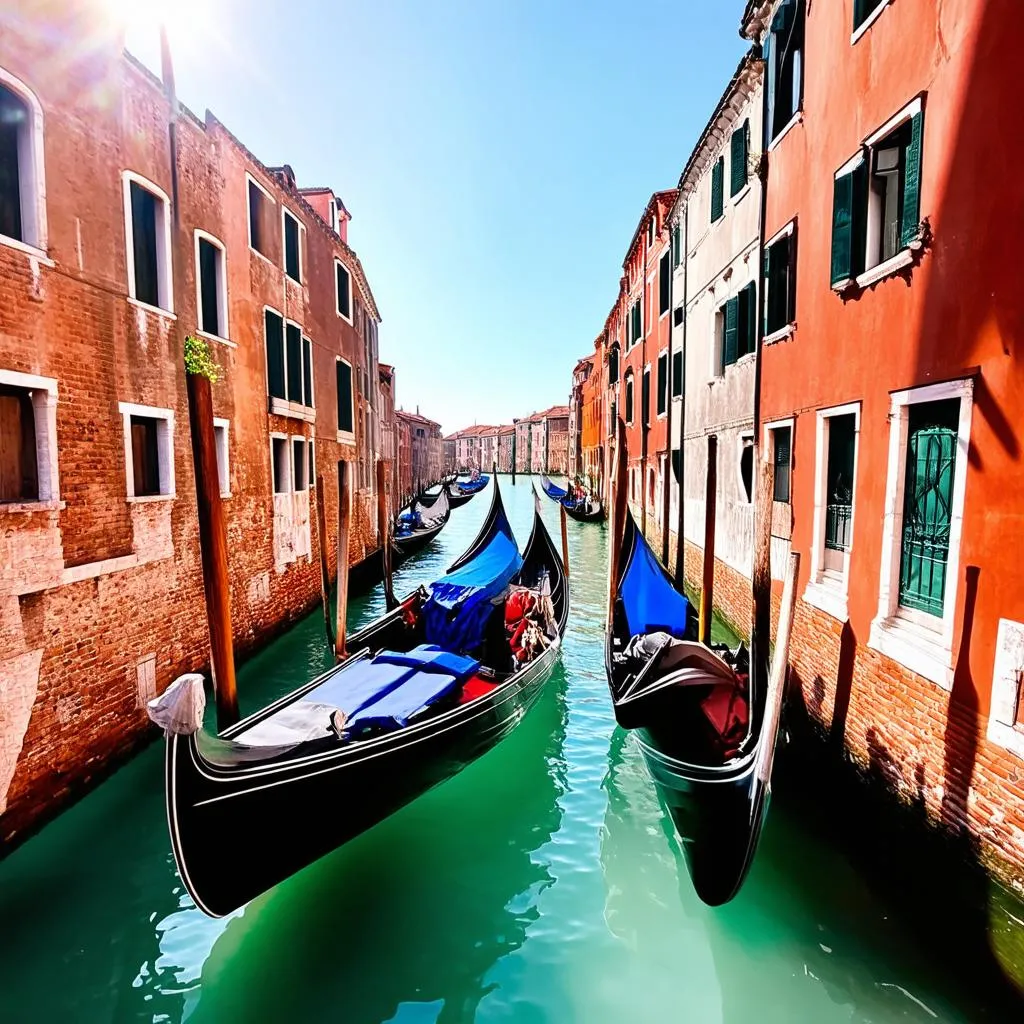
(198, 360)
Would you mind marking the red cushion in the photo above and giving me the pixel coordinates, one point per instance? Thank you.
(476, 686)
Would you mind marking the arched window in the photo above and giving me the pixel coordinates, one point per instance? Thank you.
(629, 396)
(22, 190)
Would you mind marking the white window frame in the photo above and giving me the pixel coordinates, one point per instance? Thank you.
(347, 436)
(287, 474)
(248, 221)
(826, 589)
(164, 271)
(717, 346)
(744, 439)
(164, 447)
(351, 304)
(922, 643)
(332, 214)
(31, 175)
(44, 409)
(222, 288)
(222, 441)
(859, 31)
(668, 384)
(285, 212)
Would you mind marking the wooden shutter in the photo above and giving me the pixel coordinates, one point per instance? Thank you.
(847, 224)
(344, 306)
(910, 227)
(147, 288)
(747, 320)
(210, 305)
(274, 332)
(718, 189)
(738, 158)
(19, 477)
(293, 355)
(645, 398)
(781, 461)
(677, 373)
(344, 381)
(662, 383)
(664, 280)
(255, 222)
(771, 83)
(307, 373)
(732, 330)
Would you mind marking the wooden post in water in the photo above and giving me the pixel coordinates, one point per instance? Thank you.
(780, 664)
(565, 539)
(384, 532)
(707, 592)
(344, 522)
(325, 572)
(213, 548)
(761, 576)
(515, 431)
(620, 498)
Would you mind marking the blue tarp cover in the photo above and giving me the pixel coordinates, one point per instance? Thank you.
(360, 684)
(650, 601)
(459, 605)
(472, 486)
(551, 490)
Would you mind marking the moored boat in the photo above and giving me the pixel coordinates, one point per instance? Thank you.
(427, 689)
(579, 506)
(419, 525)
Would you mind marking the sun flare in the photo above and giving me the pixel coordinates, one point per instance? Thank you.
(142, 19)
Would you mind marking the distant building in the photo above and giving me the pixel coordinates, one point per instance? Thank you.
(506, 435)
(425, 452)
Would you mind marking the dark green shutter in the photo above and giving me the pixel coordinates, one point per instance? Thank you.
(848, 207)
(784, 16)
(718, 189)
(344, 380)
(629, 399)
(662, 383)
(293, 354)
(912, 184)
(748, 336)
(732, 330)
(664, 280)
(676, 246)
(781, 460)
(274, 332)
(771, 80)
(307, 373)
(738, 158)
(677, 373)
(645, 399)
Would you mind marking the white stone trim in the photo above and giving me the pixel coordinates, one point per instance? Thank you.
(222, 287)
(826, 590)
(44, 409)
(782, 334)
(164, 445)
(924, 644)
(304, 441)
(287, 475)
(786, 129)
(913, 108)
(1007, 676)
(886, 268)
(850, 166)
(859, 31)
(223, 454)
(783, 232)
(164, 270)
(31, 166)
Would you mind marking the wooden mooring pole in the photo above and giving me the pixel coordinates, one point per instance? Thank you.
(344, 523)
(384, 533)
(707, 591)
(620, 498)
(213, 548)
(325, 572)
(565, 539)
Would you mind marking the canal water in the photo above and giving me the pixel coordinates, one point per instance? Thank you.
(543, 884)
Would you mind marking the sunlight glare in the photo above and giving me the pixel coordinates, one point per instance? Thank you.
(185, 21)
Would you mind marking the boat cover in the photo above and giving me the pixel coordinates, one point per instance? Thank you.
(551, 490)
(472, 486)
(649, 600)
(456, 613)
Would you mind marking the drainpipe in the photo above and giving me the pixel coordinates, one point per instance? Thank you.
(680, 542)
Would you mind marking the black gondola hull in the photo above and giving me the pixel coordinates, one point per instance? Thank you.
(582, 516)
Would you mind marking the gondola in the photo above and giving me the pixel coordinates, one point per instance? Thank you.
(701, 715)
(471, 486)
(418, 526)
(456, 499)
(554, 492)
(406, 710)
(583, 510)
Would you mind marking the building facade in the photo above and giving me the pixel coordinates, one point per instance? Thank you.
(423, 465)
(101, 280)
(506, 436)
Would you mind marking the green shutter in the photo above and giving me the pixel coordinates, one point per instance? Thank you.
(664, 281)
(293, 355)
(738, 158)
(676, 246)
(784, 16)
(770, 85)
(748, 319)
(344, 380)
(274, 333)
(677, 373)
(847, 224)
(732, 330)
(307, 373)
(718, 189)
(910, 228)
(662, 383)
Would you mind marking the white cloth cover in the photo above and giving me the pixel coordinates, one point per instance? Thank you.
(179, 709)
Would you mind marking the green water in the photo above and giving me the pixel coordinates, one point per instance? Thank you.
(541, 885)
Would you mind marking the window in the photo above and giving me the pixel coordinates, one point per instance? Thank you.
(292, 230)
(784, 58)
(259, 216)
(876, 207)
(645, 397)
(293, 361)
(677, 247)
(300, 465)
(863, 9)
(211, 285)
(652, 228)
(677, 316)
(842, 434)
(289, 366)
(677, 463)
(345, 401)
(739, 147)
(148, 242)
(274, 335)
(613, 364)
(736, 324)
(634, 325)
(662, 383)
(629, 397)
(22, 189)
(718, 189)
(664, 284)
(332, 215)
(343, 290)
(677, 373)
(782, 439)
(746, 468)
(220, 438)
(149, 450)
(780, 281)
(280, 469)
(19, 466)
(612, 424)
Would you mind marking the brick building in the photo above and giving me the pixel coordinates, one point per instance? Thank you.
(506, 434)
(422, 465)
(523, 444)
(101, 279)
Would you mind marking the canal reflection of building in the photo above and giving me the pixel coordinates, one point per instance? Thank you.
(418, 910)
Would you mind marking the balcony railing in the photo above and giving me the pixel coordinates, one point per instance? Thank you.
(838, 520)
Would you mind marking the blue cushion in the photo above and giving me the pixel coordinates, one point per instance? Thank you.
(358, 685)
(395, 709)
(431, 658)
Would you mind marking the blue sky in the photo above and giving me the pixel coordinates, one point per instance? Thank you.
(495, 158)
